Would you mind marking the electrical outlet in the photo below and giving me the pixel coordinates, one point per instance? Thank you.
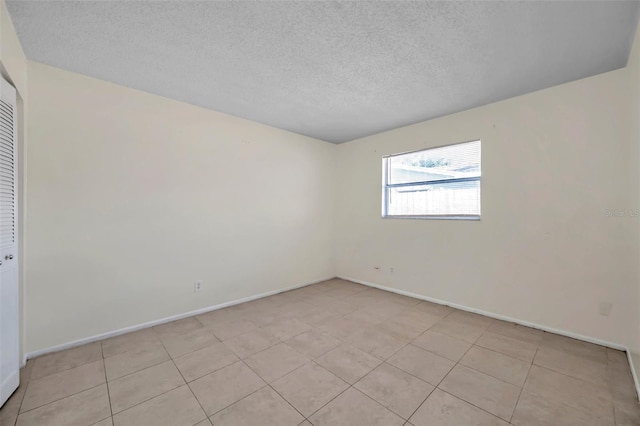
(197, 286)
(605, 308)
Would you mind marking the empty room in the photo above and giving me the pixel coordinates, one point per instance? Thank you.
(313, 213)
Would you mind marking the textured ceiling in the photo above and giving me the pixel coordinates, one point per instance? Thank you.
(332, 70)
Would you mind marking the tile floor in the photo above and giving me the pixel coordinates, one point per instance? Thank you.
(335, 353)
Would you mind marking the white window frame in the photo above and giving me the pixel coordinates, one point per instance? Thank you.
(386, 186)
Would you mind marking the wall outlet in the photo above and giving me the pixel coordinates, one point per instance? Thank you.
(605, 308)
(197, 286)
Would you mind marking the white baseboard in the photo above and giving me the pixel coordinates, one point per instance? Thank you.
(509, 319)
(490, 314)
(137, 327)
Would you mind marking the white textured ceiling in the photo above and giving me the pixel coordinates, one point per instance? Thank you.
(332, 70)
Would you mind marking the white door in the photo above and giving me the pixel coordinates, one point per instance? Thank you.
(9, 325)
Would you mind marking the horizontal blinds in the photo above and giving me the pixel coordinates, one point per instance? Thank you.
(452, 162)
(7, 176)
(441, 181)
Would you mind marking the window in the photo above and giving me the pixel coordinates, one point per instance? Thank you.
(439, 183)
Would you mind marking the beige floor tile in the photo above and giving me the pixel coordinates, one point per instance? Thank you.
(369, 317)
(503, 367)
(143, 385)
(572, 365)
(535, 410)
(442, 344)
(342, 328)
(348, 363)
(205, 361)
(264, 317)
(275, 362)
(569, 380)
(105, 422)
(182, 344)
(249, 343)
(402, 299)
(286, 328)
(26, 371)
(352, 408)
(264, 407)
(515, 348)
(483, 391)
(237, 380)
(313, 343)
(573, 392)
(617, 358)
(229, 329)
(294, 308)
(509, 329)
(423, 364)
(65, 360)
(409, 325)
(316, 316)
(219, 316)
(178, 327)
(135, 342)
(463, 330)
(84, 408)
(309, 387)
(402, 329)
(376, 342)
(627, 414)
(341, 306)
(205, 422)
(60, 385)
(400, 392)
(443, 409)
(623, 388)
(471, 319)
(593, 352)
(434, 309)
(146, 355)
(176, 407)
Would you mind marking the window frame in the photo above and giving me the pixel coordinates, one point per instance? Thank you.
(386, 186)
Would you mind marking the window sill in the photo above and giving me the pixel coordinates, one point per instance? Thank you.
(436, 217)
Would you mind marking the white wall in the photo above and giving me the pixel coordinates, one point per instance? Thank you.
(633, 70)
(544, 251)
(132, 197)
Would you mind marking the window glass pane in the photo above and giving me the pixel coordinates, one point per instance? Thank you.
(459, 198)
(448, 162)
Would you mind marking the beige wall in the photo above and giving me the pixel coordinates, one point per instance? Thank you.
(633, 70)
(132, 197)
(544, 251)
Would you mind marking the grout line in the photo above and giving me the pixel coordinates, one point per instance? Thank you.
(206, 416)
(104, 366)
(462, 399)
(15, 422)
(60, 399)
(513, 413)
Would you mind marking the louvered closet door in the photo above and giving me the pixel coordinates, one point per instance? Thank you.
(9, 296)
